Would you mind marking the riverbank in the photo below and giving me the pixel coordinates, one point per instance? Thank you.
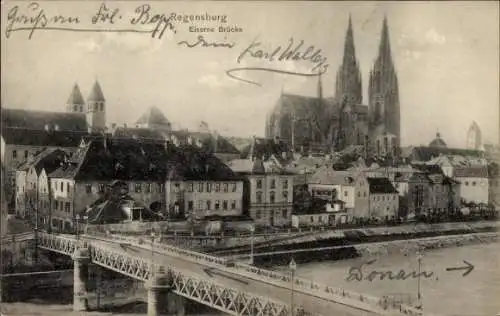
(377, 249)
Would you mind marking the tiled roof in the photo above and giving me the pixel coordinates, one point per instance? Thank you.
(206, 141)
(153, 117)
(381, 186)
(422, 153)
(191, 163)
(116, 159)
(470, 172)
(140, 133)
(42, 138)
(427, 168)
(37, 120)
(326, 175)
(256, 166)
(48, 159)
(113, 209)
(264, 148)
(127, 160)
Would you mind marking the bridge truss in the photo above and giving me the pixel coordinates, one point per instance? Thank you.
(186, 284)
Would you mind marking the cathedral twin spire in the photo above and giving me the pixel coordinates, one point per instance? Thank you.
(348, 83)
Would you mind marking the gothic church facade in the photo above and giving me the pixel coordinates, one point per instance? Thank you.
(332, 124)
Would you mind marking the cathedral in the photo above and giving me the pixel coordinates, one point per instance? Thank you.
(332, 124)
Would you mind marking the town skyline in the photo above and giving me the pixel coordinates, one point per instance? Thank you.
(430, 59)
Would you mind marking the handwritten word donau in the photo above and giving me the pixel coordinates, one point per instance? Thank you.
(357, 274)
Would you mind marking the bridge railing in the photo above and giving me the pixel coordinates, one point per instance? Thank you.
(167, 248)
(313, 287)
(305, 285)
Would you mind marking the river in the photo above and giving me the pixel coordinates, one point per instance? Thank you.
(445, 293)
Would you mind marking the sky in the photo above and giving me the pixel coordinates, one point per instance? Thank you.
(446, 56)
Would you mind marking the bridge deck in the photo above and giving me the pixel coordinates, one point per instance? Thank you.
(238, 288)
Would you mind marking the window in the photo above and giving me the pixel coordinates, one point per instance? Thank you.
(233, 204)
(257, 214)
(200, 186)
(466, 183)
(62, 186)
(25, 154)
(190, 205)
(233, 185)
(359, 194)
(56, 205)
(285, 184)
(149, 187)
(161, 187)
(271, 197)
(137, 188)
(364, 194)
(102, 107)
(285, 195)
(88, 188)
(209, 205)
(273, 184)
(200, 205)
(14, 154)
(259, 197)
(190, 187)
(217, 204)
(393, 197)
(217, 187)
(284, 213)
(225, 187)
(209, 187)
(383, 198)
(224, 204)
(473, 183)
(177, 187)
(67, 207)
(311, 219)
(259, 183)
(346, 193)
(101, 187)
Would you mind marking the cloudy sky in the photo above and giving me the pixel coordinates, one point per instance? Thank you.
(446, 55)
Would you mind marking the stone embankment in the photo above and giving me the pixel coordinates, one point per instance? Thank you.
(412, 246)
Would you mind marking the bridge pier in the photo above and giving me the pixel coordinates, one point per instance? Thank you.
(160, 297)
(81, 259)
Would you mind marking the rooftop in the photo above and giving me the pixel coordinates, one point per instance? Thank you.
(381, 186)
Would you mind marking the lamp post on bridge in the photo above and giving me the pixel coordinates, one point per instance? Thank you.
(252, 230)
(152, 253)
(293, 267)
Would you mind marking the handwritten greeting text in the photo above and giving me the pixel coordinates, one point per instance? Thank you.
(34, 17)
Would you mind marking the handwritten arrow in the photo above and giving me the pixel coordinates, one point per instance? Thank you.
(469, 267)
(211, 272)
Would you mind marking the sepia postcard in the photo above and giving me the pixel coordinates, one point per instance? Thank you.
(250, 158)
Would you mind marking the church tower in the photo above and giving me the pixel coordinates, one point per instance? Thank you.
(474, 139)
(96, 109)
(383, 92)
(348, 84)
(75, 103)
